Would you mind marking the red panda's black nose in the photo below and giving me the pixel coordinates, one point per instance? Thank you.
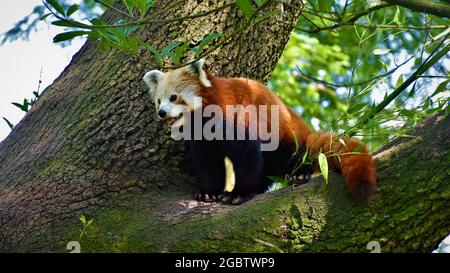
(162, 113)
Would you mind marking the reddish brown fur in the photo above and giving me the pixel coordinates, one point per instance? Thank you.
(358, 168)
(356, 164)
(241, 91)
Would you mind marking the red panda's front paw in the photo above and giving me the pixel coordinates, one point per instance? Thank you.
(205, 197)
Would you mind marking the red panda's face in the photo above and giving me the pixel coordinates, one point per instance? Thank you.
(175, 92)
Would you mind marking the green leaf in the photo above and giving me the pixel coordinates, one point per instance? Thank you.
(297, 146)
(69, 23)
(305, 156)
(245, 7)
(323, 165)
(141, 6)
(381, 51)
(427, 104)
(71, 10)
(397, 16)
(43, 17)
(23, 107)
(385, 66)
(279, 183)
(407, 113)
(412, 92)
(56, 6)
(68, 35)
(205, 41)
(97, 22)
(399, 81)
(278, 179)
(130, 6)
(18, 105)
(133, 45)
(26, 104)
(325, 5)
(11, 126)
(441, 87)
(83, 219)
(168, 49)
(144, 5)
(118, 39)
(179, 51)
(259, 3)
(154, 51)
(104, 45)
(356, 107)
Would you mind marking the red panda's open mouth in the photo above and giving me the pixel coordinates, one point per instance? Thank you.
(172, 120)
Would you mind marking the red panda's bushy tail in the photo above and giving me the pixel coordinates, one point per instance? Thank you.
(349, 156)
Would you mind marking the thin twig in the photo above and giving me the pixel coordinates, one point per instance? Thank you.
(146, 21)
(342, 24)
(114, 8)
(365, 12)
(431, 60)
(40, 80)
(402, 27)
(225, 39)
(336, 85)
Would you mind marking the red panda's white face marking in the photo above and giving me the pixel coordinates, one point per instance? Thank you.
(177, 91)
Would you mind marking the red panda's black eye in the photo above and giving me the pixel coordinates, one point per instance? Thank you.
(173, 98)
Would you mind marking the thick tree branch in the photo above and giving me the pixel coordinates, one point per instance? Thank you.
(438, 9)
(410, 212)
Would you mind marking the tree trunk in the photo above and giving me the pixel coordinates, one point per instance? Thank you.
(91, 145)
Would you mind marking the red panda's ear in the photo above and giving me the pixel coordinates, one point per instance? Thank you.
(198, 70)
(151, 78)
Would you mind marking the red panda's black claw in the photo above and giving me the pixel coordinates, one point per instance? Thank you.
(205, 197)
(299, 179)
(225, 197)
(237, 201)
(302, 179)
(307, 177)
(241, 199)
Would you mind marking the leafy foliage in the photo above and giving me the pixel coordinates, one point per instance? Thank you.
(336, 76)
(119, 34)
(10, 125)
(29, 23)
(27, 104)
(85, 225)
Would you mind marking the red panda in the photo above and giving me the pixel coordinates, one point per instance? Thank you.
(218, 162)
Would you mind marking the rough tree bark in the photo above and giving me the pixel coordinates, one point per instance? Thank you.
(92, 146)
(92, 141)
